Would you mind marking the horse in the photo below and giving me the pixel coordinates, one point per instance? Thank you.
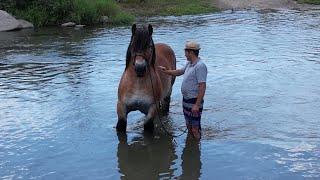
(142, 86)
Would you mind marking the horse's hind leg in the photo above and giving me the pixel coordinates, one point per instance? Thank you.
(122, 117)
(149, 125)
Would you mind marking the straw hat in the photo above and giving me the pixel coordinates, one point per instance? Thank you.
(192, 45)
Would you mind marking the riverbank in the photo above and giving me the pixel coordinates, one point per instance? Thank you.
(90, 12)
(51, 12)
(270, 4)
(122, 12)
(167, 7)
(316, 2)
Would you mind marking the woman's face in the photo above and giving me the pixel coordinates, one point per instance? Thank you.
(187, 54)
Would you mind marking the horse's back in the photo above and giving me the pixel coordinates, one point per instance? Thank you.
(165, 57)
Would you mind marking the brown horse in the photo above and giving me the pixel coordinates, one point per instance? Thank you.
(142, 86)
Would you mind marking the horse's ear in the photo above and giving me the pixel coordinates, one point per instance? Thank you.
(134, 28)
(150, 29)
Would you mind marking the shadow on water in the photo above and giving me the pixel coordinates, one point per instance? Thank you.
(191, 162)
(146, 156)
(153, 157)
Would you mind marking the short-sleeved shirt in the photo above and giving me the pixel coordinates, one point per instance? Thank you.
(193, 75)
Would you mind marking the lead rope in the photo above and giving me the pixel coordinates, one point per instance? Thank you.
(163, 127)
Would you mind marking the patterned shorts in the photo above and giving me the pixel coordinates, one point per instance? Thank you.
(192, 119)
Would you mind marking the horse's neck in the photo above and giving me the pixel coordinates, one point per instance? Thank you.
(149, 84)
(150, 76)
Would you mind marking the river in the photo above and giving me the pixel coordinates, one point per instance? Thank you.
(58, 95)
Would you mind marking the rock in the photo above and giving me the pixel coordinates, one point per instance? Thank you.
(25, 24)
(68, 24)
(8, 22)
(79, 26)
(104, 19)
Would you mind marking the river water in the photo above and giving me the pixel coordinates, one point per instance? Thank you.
(58, 94)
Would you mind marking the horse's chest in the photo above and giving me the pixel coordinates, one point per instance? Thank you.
(139, 101)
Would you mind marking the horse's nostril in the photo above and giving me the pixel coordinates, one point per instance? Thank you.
(140, 69)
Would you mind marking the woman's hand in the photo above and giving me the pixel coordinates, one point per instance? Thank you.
(163, 69)
(195, 109)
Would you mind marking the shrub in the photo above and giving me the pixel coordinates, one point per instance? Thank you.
(52, 12)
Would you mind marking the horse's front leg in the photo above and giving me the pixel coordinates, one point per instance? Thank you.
(152, 112)
(122, 117)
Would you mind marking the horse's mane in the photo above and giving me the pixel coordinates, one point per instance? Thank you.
(141, 39)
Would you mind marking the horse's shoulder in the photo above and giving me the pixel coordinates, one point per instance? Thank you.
(163, 48)
(161, 45)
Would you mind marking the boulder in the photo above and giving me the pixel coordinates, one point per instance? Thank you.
(25, 24)
(68, 24)
(79, 26)
(105, 19)
(8, 22)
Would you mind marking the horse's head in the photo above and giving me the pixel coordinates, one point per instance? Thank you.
(141, 50)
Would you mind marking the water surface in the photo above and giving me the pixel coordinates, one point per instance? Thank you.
(58, 94)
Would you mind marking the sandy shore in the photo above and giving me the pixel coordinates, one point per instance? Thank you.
(261, 4)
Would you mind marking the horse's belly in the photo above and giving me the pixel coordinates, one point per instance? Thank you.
(139, 102)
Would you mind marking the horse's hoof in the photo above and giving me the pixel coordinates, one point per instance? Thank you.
(121, 126)
(149, 127)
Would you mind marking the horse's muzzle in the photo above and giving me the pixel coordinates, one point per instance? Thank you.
(140, 68)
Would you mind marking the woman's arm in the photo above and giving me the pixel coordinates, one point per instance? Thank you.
(172, 72)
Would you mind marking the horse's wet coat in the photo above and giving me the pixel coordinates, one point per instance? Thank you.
(142, 86)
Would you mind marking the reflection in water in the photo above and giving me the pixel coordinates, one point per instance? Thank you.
(191, 163)
(146, 157)
(151, 157)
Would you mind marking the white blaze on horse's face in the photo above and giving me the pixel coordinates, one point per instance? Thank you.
(140, 65)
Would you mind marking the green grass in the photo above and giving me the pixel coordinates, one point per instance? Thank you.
(55, 12)
(317, 2)
(85, 12)
(35, 15)
(122, 19)
(168, 7)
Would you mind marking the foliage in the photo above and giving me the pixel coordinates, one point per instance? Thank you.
(310, 1)
(34, 14)
(168, 7)
(53, 12)
(122, 18)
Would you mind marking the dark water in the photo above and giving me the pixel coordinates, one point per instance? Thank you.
(58, 93)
